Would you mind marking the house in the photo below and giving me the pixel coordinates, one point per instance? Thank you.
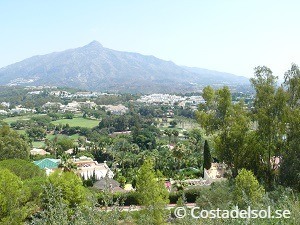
(3, 112)
(87, 168)
(88, 104)
(275, 162)
(19, 109)
(5, 104)
(215, 173)
(34, 92)
(70, 107)
(114, 134)
(115, 109)
(38, 151)
(69, 151)
(48, 164)
(60, 93)
(50, 105)
(108, 184)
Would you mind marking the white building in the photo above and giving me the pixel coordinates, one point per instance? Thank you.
(39, 151)
(115, 109)
(215, 173)
(88, 168)
(52, 105)
(5, 104)
(20, 109)
(3, 112)
(70, 107)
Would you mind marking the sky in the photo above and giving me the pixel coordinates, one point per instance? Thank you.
(230, 36)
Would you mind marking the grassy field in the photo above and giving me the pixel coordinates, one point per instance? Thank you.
(38, 144)
(9, 120)
(21, 131)
(182, 123)
(80, 122)
(52, 136)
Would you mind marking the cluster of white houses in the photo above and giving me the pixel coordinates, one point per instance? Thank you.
(167, 99)
(16, 110)
(73, 106)
(81, 94)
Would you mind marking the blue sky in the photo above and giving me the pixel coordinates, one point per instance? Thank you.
(225, 35)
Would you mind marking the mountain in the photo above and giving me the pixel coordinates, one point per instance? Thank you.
(93, 67)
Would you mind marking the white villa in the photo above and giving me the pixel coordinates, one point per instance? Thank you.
(115, 109)
(39, 151)
(215, 173)
(87, 167)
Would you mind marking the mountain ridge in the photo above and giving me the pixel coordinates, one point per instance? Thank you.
(94, 67)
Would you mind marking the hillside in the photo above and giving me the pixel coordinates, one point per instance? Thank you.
(94, 67)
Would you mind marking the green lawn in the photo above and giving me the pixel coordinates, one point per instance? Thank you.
(21, 131)
(81, 122)
(51, 136)
(38, 144)
(9, 120)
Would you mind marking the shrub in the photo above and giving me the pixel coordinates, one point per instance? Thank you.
(247, 188)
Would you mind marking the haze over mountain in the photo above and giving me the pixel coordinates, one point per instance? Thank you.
(93, 67)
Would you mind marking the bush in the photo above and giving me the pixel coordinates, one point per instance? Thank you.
(247, 188)
(173, 197)
(191, 195)
(218, 195)
(22, 168)
(126, 199)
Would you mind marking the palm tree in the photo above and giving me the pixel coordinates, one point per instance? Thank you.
(178, 152)
(176, 134)
(168, 132)
(66, 163)
(51, 145)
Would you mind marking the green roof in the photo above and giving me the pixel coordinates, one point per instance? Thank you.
(47, 163)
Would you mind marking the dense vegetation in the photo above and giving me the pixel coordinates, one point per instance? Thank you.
(258, 140)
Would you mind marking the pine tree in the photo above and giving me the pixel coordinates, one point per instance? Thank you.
(152, 193)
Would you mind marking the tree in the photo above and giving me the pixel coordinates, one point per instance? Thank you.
(290, 167)
(247, 186)
(12, 146)
(65, 144)
(168, 132)
(230, 124)
(196, 145)
(13, 196)
(36, 133)
(175, 134)
(231, 142)
(22, 168)
(173, 123)
(55, 210)
(211, 115)
(208, 95)
(206, 156)
(71, 186)
(269, 113)
(69, 116)
(66, 163)
(179, 151)
(151, 192)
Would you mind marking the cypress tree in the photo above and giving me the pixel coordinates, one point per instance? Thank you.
(206, 156)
